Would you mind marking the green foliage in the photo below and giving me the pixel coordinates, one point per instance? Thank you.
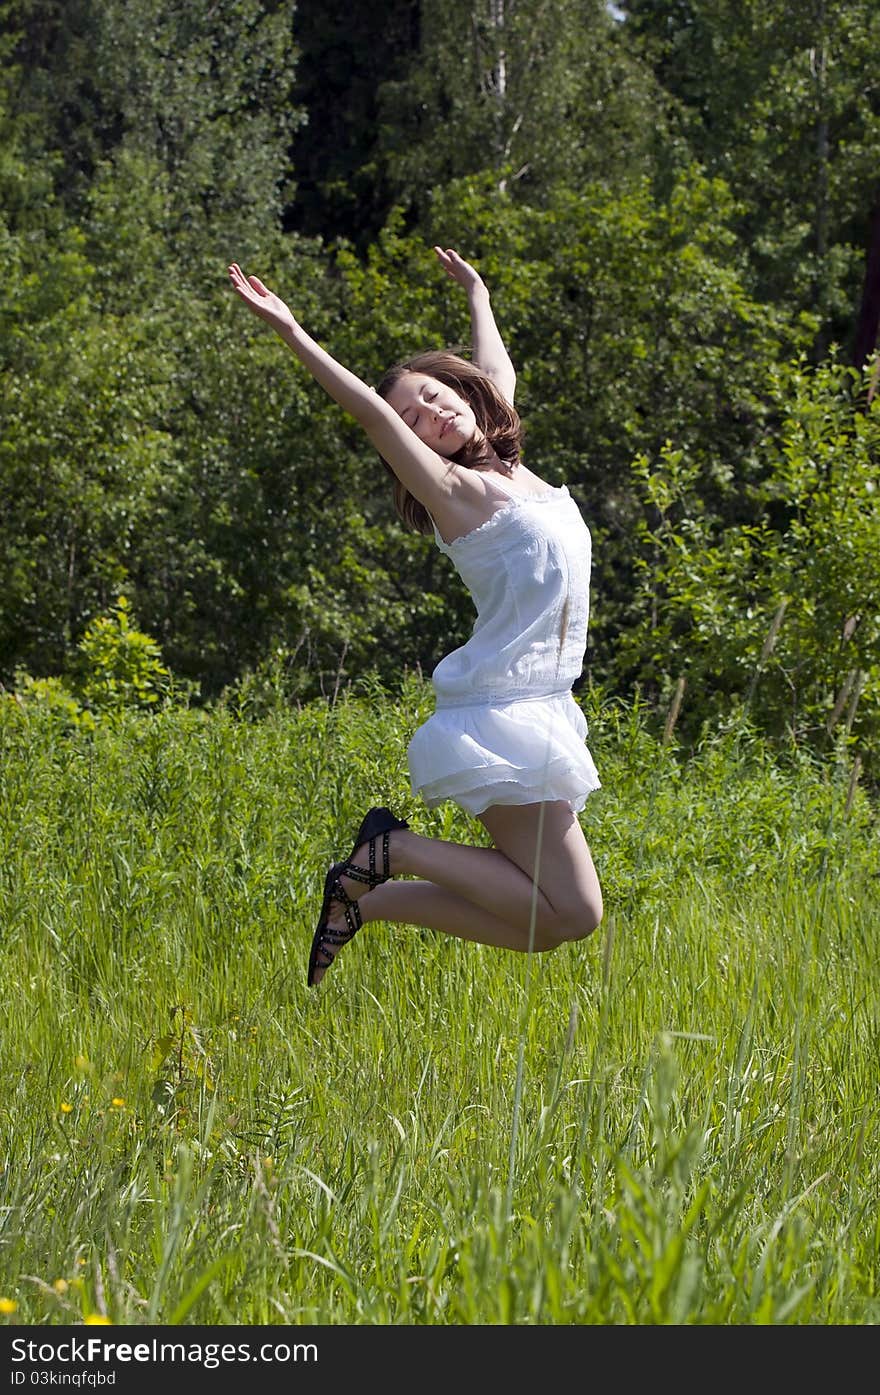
(52, 699)
(782, 610)
(202, 92)
(536, 96)
(120, 666)
(81, 457)
(783, 102)
(154, 164)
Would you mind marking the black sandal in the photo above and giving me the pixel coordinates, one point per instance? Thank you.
(379, 822)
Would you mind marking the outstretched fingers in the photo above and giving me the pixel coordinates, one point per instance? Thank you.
(457, 268)
(454, 265)
(248, 287)
(261, 300)
(445, 258)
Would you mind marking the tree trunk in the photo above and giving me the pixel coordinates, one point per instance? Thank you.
(819, 65)
(868, 323)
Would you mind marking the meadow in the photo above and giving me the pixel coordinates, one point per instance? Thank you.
(672, 1122)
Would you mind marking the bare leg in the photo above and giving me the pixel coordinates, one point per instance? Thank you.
(434, 908)
(535, 889)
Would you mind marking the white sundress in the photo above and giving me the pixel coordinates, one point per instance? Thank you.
(506, 728)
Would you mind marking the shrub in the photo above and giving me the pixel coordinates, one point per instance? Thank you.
(777, 610)
(120, 666)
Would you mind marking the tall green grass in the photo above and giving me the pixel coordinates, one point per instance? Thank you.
(675, 1121)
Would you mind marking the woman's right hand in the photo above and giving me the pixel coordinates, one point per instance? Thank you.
(261, 300)
(460, 270)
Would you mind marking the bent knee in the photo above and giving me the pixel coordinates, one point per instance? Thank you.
(576, 922)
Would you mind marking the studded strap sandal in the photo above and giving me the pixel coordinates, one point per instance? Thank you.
(379, 823)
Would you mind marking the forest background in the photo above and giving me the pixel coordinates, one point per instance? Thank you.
(677, 210)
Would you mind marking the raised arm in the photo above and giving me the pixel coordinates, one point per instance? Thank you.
(429, 477)
(487, 346)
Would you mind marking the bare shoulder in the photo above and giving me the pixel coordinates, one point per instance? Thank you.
(463, 504)
(471, 497)
(525, 481)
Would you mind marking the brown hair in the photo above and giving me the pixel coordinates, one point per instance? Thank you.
(498, 425)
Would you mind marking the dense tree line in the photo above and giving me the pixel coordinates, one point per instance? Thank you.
(675, 206)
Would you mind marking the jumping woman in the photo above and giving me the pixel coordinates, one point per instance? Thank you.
(507, 739)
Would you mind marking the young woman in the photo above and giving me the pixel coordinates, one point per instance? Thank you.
(507, 740)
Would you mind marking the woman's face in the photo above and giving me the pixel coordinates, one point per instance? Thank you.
(435, 412)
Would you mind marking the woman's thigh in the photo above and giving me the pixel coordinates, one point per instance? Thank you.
(547, 842)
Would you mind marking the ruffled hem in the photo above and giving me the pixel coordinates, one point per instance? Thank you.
(522, 752)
